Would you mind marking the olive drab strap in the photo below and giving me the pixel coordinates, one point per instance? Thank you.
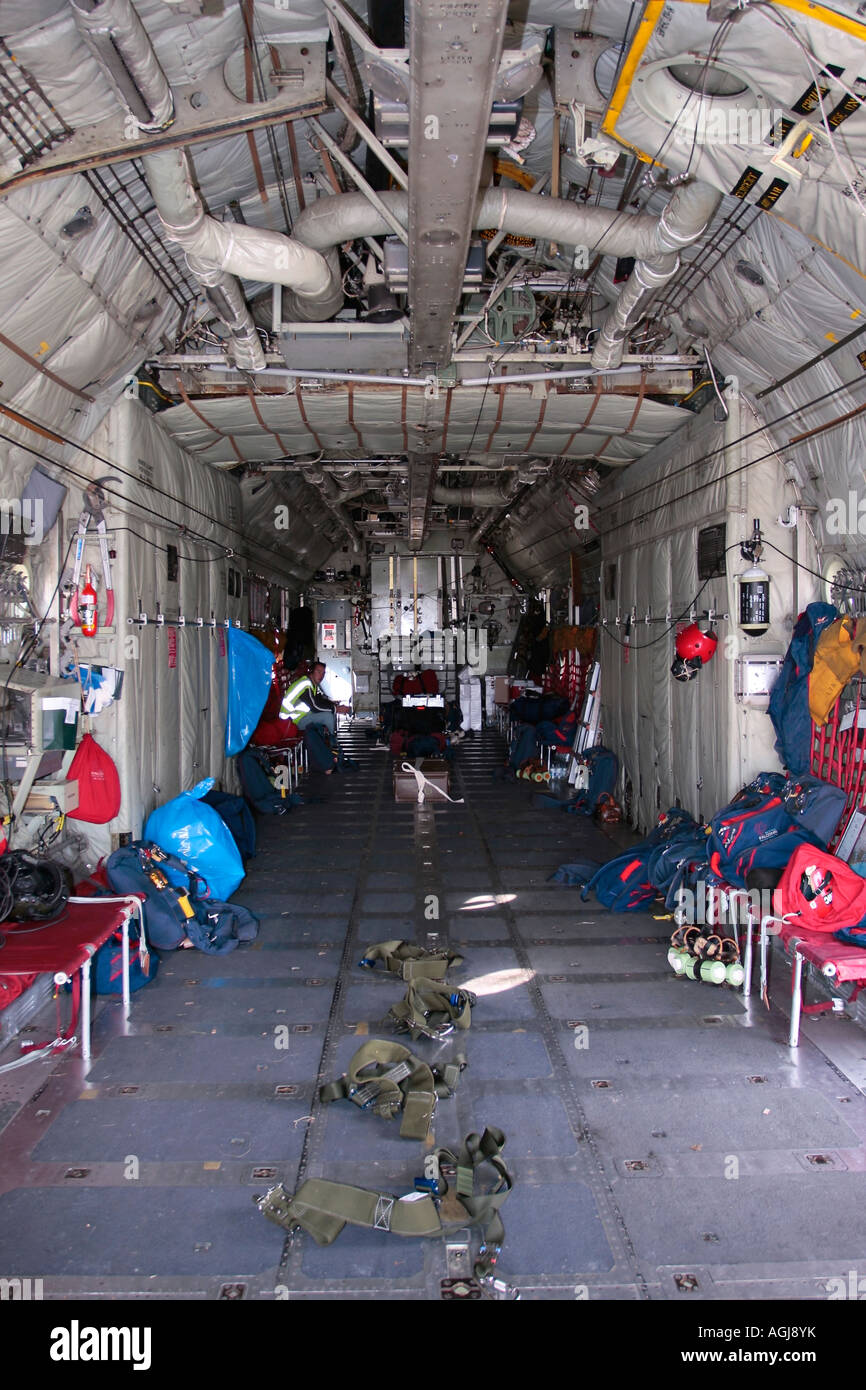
(323, 1208)
(408, 961)
(385, 1078)
(433, 1009)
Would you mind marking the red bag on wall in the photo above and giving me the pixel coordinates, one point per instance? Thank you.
(98, 783)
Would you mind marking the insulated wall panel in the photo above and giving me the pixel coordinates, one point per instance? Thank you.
(693, 741)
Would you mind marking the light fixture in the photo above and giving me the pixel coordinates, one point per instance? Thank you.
(749, 272)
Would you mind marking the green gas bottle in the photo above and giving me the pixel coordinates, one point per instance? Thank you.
(677, 959)
(712, 972)
(735, 973)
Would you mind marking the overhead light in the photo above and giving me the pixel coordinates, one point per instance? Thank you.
(749, 272)
(79, 225)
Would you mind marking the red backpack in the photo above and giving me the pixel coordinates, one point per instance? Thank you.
(98, 783)
(820, 891)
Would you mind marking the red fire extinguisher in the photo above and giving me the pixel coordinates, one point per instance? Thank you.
(87, 608)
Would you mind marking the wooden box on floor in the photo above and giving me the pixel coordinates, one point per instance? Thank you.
(406, 784)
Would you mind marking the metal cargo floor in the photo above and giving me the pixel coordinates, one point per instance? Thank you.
(684, 1153)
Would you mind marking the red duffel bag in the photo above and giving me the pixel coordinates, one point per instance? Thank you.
(820, 891)
(98, 783)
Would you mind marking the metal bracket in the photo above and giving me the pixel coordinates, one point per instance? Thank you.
(206, 110)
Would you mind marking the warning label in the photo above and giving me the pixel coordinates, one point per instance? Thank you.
(746, 182)
(772, 194)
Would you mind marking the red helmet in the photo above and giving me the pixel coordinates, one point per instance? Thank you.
(695, 644)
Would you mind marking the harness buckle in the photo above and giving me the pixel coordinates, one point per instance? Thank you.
(398, 1072)
(384, 1208)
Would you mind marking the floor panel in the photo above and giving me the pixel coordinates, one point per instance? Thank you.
(654, 1125)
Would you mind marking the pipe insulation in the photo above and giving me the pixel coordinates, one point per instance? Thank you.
(117, 38)
(252, 253)
(476, 496)
(654, 242)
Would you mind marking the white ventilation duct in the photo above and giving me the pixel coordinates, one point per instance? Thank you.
(654, 242)
(116, 36)
(216, 252)
(476, 496)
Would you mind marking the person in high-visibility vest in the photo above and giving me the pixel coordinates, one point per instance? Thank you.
(305, 703)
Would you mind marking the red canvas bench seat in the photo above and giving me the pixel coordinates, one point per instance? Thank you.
(65, 948)
(837, 961)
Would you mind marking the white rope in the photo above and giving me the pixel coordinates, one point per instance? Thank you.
(423, 782)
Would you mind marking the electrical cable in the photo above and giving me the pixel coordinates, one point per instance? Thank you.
(723, 402)
(852, 588)
(674, 621)
(782, 22)
(194, 536)
(750, 434)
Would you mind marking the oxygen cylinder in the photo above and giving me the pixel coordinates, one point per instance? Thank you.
(87, 608)
(735, 973)
(712, 972)
(677, 960)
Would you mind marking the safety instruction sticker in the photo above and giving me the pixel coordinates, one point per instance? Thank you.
(172, 648)
(810, 98)
(772, 194)
(746, 182)
(848, 105)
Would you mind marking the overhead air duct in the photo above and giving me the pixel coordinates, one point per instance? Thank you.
(216, 252)
(477, 496)
(117, 38)
(654, 242)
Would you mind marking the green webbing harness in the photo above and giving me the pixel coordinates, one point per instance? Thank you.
(386, 1078)
(433, 1009)
(410, 962)
(323, 1208)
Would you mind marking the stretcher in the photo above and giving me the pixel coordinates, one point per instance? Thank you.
(65, 948)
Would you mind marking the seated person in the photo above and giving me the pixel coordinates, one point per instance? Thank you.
(305, 703)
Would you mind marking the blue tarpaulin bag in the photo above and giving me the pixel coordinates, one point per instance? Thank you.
(250, 666)
(197, 834)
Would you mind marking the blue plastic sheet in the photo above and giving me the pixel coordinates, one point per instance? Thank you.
(198, 835)
(250, 665)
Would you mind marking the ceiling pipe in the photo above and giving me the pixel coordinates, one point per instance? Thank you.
(322, 483)
(477, 496)
(683, 222)
(653, 241)
(216, 252)
(117, 38)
